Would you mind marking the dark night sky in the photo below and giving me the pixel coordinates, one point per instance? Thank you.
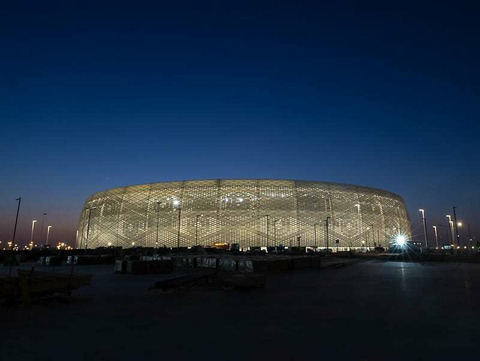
(95, 95)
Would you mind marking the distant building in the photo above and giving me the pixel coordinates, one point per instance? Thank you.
(251, 213)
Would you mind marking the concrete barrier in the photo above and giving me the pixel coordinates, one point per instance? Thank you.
(144, 267)
(245, 265)
(207, 262)
(53, 261)
(227, 264)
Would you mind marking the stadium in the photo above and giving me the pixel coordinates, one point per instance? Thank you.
(248, 213)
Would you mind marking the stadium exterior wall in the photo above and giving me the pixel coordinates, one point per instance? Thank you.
(248, 212)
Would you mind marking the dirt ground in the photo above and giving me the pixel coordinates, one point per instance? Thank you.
(373, 310)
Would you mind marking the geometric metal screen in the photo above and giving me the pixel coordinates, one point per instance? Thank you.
(248, 212)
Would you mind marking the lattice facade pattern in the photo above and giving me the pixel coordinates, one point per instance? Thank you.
(247, 212)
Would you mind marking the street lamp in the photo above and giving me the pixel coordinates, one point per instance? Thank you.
(275, 231)
(31, 235)
(424, 221)
(41, 225)
(469, 235)
(326, 225)
(453, 233)
(19, 200)
(176, 202)
(366, 237)
(266, 215)
(360, 230)
(48, 233)
(436, 235)
(450, 224)
(89, 209)
(196, 228)
(373, 236)
(158, 214)
(457, 235)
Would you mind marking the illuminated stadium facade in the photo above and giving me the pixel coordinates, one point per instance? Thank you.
(251, 213)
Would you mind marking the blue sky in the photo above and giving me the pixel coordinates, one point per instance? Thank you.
(95, 95)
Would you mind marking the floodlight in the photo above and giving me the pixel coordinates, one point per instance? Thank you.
(400, 240)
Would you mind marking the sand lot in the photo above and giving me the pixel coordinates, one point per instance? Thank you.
(373, 310)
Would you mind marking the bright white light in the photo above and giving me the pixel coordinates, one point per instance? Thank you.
(400, 240)
(240, 200)
(176, 202)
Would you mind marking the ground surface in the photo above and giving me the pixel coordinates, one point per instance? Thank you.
(373, 310)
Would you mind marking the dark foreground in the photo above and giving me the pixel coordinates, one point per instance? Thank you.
(373, 310)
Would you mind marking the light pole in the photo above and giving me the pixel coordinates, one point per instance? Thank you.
(436, 235)
(19, 200)
(179, 225)
(359, 221)
(373, 236)
(31, 235)
(326, 225)
(366, 238)
(457, 235)
(266, 215)
(88, 225)
(450, 225)
(176, 203)
(267, 229)
(469, 235)
(158, 214)
(196, 228)
(48, 233)
(315, 234)
(453, 233)
(459, 224)
(41, 225)
(424, 221)
(275, 231)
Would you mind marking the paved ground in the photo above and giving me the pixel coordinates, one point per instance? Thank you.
(371, 310)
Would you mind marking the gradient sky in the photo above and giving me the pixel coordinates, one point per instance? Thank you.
(95, 95)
